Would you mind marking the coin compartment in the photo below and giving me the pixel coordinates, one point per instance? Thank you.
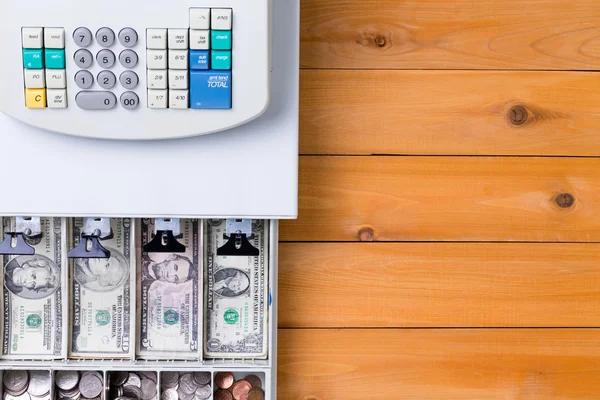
(56, 376)
(116, 380)
(167, 381)
(27, 392)
(239, 375)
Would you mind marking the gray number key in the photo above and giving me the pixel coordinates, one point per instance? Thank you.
(130, 100)
(82, 37)
(105, 37)
(106, 58)
(84, 79)
(129, 79)
(128, 58)
(128, 37)
(107, 80)
(96, 100)
(83, 58)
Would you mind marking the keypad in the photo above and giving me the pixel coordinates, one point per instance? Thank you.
(115, 55)
(191, 68)
(44, 72)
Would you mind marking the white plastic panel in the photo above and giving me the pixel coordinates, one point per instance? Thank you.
(251, 56)
(250, 171)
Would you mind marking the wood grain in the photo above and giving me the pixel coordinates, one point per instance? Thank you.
(325, 285)
(451, 34)
(446, 199)
(439, 364)
(449, 113)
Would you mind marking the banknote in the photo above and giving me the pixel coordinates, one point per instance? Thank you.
(168, 295)
(34, 287)
(101, 294)
(236, 295)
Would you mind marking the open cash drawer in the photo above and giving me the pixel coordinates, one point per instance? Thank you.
(219, 371)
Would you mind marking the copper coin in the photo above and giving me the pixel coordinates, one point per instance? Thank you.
(224, 380)
(256, 394)
(241, 389)
(223, 395)
(254, 381)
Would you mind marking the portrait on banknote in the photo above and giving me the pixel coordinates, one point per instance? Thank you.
(102, 274)
(31, 277)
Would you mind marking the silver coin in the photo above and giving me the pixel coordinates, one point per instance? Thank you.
(169, 394)
(90, 386)
(203, 392)
(202, 378)
(39, 383)
(169, 379)
(185, 396)
(186, 384)
(66, 380)
(133, 380)
(24, 396)
(14, 381)
(149, 375)
(118, 378)
(148, 389)
(133, 392)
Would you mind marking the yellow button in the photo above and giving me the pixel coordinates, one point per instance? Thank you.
(35, 98)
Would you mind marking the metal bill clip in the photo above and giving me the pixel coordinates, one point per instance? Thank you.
(237, 232)
(14, 242)
(89, 246)
(166, 229)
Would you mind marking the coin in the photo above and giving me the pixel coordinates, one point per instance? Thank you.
(202, 392)
(186, 384)
(241, 389)
(133, 380)
(90, 386)
(169, 394)
(66, 380)
(256, 394)
(169, 379)
(24, 396)
(149, 375)
(39, 383)
(224, 380)
(254, 381)
(118, 378)
(148, 389)
(15, 381)
(222, 394)
(202, 378)
(184, 396)
(132, 391)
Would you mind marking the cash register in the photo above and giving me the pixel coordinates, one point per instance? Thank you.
(149, 150)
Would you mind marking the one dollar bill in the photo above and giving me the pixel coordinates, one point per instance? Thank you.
(168, 295)
(33, 294)
(101, 295)
(236, 295)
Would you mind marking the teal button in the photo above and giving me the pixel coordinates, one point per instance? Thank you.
(55, 59)
(221, 60)
(221, 40)
(33, 59)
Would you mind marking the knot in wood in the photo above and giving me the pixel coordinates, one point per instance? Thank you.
(518, 115)
(381, 41)
(565, 200)
(366, 235)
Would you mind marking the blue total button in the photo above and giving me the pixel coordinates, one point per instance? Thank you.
(199, 59)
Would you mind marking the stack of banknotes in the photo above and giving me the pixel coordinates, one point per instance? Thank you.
(182, 305)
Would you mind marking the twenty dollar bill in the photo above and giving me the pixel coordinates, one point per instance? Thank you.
(236, 289)
(101, 320)
(33, 294)
(168, 290)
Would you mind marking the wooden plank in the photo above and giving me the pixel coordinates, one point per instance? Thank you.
(439, 364)
(330, 285)
(451, 34)
(449, 112)
(447, 199)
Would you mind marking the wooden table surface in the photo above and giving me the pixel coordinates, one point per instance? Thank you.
(448, 243)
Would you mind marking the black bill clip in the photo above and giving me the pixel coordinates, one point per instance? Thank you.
(164, 241)
(89, 246)
(14, 242)
(237, 233)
